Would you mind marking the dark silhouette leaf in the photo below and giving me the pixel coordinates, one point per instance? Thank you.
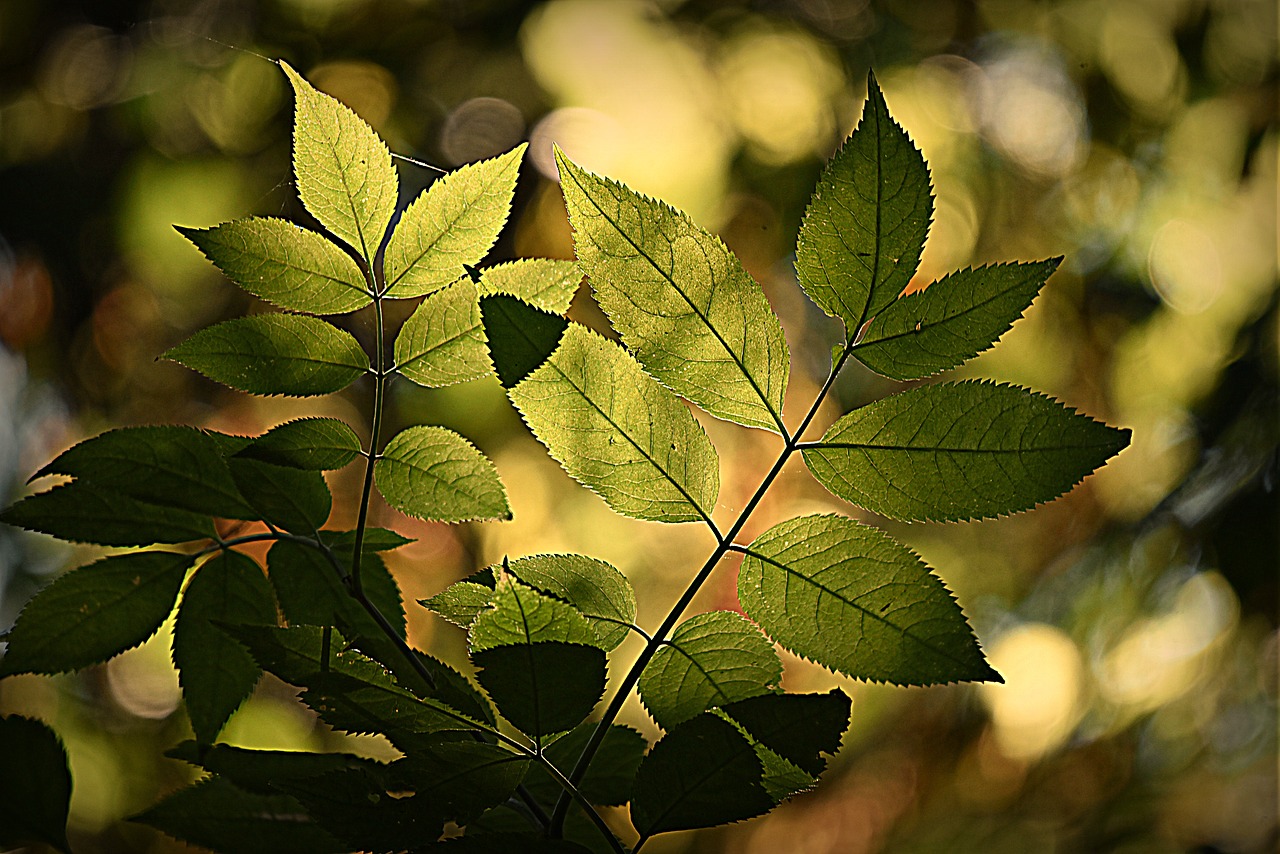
(798, 727)
(520, 337)
(258, 771)
(82, 513)
(35, 785)
(542, 688)
(294, 499)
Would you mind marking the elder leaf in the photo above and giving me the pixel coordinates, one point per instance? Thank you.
(797, 727)
(257, 770)
(608, 778)
(521, 615)
(316, 444)
(297, 500)
(435, 474)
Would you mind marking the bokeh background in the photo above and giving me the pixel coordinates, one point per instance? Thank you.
(1135, 621)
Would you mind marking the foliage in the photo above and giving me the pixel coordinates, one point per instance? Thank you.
(520, 754)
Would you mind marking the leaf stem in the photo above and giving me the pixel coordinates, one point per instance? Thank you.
(375, 431)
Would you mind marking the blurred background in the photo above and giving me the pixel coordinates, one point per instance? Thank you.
(1134, 621)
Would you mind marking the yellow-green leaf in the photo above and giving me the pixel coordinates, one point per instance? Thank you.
(435, 474)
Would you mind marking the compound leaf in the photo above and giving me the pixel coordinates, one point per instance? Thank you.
(616, 430)
(314, 444)
(81, 513)
(964, 450)
(520, 336)
(461, 602)
(595, 589)
(92, 613)
(710, 659)
(35, 784)
(682, 302)
(542, 688)
(284, 264)
(435, 474)
(442, 342)
(852, 599)
(269, 354)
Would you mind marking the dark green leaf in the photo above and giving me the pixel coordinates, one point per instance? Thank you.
(852, 599)
(862, 235)
(84, 514)
(215, 672)
(289, 354)
(960, 451)
(545, 283)
(354, 805)
(435, 474)
(542, 688)
(461, 779)
(700, 774)
(316, 444)
(442, 342)
(258, 771)
(594, 588)
(95, 612)
(710, 660)
(375, 540)
(35, 785)
(610, 774)
(293, 499)
(520, 336)
(798, 727)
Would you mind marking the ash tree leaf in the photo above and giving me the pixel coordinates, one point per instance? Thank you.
(343, 169)
(215, 814)
(594, 588)
(545, 283)
(854, 600)
(176, 467)
(797, 727)
(521, 615)
(953, 319)
(617, 431)
(81, 513)
(92, 613)
(609, 776)
(313, 444)
(682, 302)
(215, 672)
(442, 342)
(435, 474)
(542, 688)
(965, 450)
(257, 771)
(452, 225)
(700, 774)
(710, 659)
(284, 264)
(35, 785)
(268, 354)
(520, 337)
(861, 237)
(294, 499)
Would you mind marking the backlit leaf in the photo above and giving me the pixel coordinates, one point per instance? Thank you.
(83, 514)
(519, 336)
(461, 602)
(433, 473)
(852, 599)
(257, 770)
(356, 806)
(960, 451)
(682, 302)
(35, 784)
(442, 342)
(521, 615)
(316, 444)
(542, 688)
(545, 283)
(594, 588)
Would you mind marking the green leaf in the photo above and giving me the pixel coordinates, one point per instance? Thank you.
(269, 354)
(355, 806)
(520, 337)
(594, 588)
(81, 513)
(461, 602)
(258, 771)
(92, 613)
(343, 169)
(461, 779)
(521, 615)
(452, 225)
(797, 727)
(215, 672)
(862, 235)
(954, 318)
(852, 599)
(284, 264)
(542, 688)
(174, 467)
(617, 431)
(442, 342)
(294, 499)
(610, 774)
(315, 444)
(375, 540)
(710, 660)
(963, 450)
(35, 785)
(781, 778)
(682, 302)
(215, 814)
(433, 473)
(700, 774)
(544, 283)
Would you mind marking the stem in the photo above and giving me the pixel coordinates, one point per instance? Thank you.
(375, 437)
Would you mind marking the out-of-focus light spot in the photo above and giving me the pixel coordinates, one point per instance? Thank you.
(779, 87)
(317, 14)
(232, 108)
(1204, 151)
(1100, 202)
(1141, 59)
(367, 88)
(97, 797)
(847, 20)
(1240, 41)
(480, 128)
(84, 67)
(26, 292)
(265, 723)
(143, 680)
(32, 128)
(1040, 703)
(1031, 111)
(584, 135)
(1161, 658)
(1184, 267)
(952, 236)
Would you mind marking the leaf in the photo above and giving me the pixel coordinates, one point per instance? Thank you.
(452, 225)
(215, 814)
(682, 302)
(92, 613)
(710, 660)
(461, 779)
(963, 450)
(314, 444)
(284, 264)
(954, 318)
(609, 776)
(781, 779)
(270, 354)
(594, 588)
(343, 169)
(861, 237)
(852, 599)
(442, 342)
(542, 688)
(507, 842)
(375, 540)
(172, 467)
(520, 337)
(433, 473)
(355, 806)
(83, 514)
(700, 774)
(797, 727)
(293, 499)
(35, 784)
(216, 673)
(543, 283)
(461, 602)
(521, 615)
(617, 431)
(258, 771)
